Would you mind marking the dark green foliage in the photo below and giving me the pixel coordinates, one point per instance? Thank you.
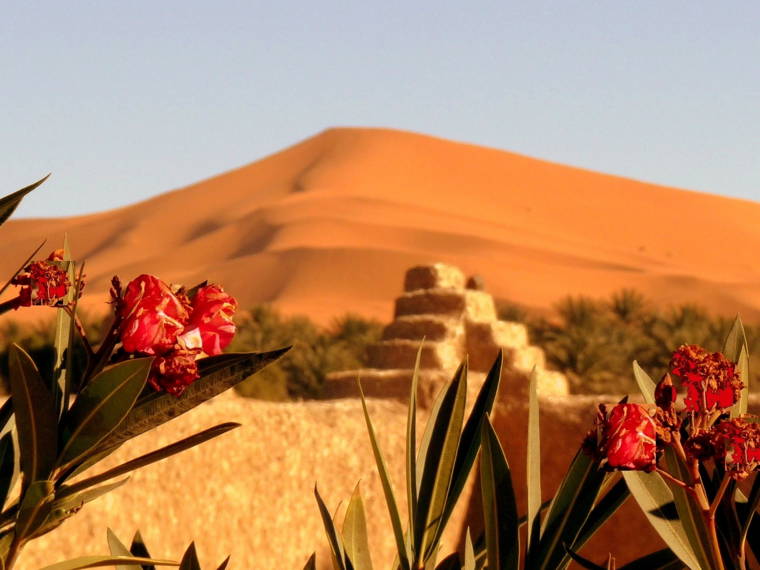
(594, 341)
(315, 352)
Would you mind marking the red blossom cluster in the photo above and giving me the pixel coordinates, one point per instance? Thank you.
(175, 326)
(42, 282)
(710, 378)
(630, 436)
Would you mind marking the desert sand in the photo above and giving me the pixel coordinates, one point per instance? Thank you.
(330, 225)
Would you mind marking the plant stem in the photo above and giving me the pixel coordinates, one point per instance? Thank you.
(719, 495)
(672, 479)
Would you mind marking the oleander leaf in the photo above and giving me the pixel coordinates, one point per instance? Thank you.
(7, 460)
(190, 559)
(148, 458)
(333, 537)
(438, 466)
(218, 373)
(311, 563)
(470, 440)
(499, 503)
(63, 336)
(689, 513)
(653, 494)
(101, 406)
(411, 440)
(36, 418)
(355, 539)
(533, 472)
(645, 383)
(9, 203)
(390, 499)
(100, 561)
(569, 511)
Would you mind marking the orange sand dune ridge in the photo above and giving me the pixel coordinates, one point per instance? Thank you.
(330, 225)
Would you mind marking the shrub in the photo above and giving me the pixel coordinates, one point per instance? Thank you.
(315, 352)
(593, 341)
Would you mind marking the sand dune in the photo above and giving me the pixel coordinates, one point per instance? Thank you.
(330, 224)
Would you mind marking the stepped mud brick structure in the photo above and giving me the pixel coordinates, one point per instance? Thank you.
(457, 318)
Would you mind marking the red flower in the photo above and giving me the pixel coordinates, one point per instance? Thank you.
(152, 316)
(737, 443)
(43, 282)
(212, 317)
(174, 371)
(626, 438)
(711, 379)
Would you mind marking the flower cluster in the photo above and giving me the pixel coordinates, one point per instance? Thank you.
(176, 326)
(630, 436)
(710, 379)
(43, 282)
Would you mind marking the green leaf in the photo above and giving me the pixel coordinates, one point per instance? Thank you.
(190, 559)
(99, 561)
(663, 559)
(36, 417)
(411, 441)
(218, 373)
(469, 442)
(689, 513)
(742, 365)
(355, 533)
(138, 548)
(603, 510)
(80, 467)
(223, 565)
(569, 511)
(311, 563)
(735, 340)
(76, 500)
(438, 466)
(6, 467)
(101, 406)
(736, 349)
(34, 508)
(390, 499)
(646, 384)
(333, 538)
(533, 473)
(9, 203)
(64, 333)
(117, 548)
(147, 459)
(499, 505)
(469, 552)
(652, 494)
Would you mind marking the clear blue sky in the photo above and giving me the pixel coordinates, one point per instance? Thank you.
(124, 100)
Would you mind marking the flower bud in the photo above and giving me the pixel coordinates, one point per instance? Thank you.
(665, 393)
